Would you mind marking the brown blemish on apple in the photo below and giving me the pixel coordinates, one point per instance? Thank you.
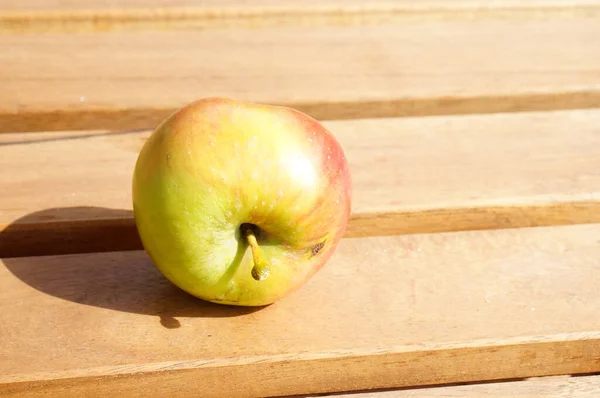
(316, 249)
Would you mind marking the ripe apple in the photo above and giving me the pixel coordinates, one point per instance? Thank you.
(240, 203)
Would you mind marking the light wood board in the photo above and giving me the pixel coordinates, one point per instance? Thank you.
(105, 15)
(123, 80)
(292, 4)
(538, 387)
(71, 192)
(384, 312)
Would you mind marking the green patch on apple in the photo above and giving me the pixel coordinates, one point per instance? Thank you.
(240, 203)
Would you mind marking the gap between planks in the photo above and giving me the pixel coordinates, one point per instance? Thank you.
(129, 80)
(537, 387)
(70, 192)
(385, 312)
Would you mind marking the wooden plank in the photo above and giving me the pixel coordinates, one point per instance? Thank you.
(126, 80)
(385, 312)
(70, 192)
(29, 5)
(538, 387)
(102, 15)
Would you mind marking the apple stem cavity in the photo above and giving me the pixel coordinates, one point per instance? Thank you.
(261, 269)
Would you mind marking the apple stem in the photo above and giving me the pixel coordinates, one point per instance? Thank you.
(261, 269)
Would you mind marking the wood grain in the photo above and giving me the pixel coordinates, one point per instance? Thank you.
(31, 5)
(70, 192)
(127, 80)
(385, 312)
(538, 387)
(102, 15)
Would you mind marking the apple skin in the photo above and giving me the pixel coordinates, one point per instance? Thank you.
(217, 164)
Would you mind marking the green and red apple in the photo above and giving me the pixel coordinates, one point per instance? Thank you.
(240, 203)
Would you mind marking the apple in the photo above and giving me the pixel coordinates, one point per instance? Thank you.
(240, 203)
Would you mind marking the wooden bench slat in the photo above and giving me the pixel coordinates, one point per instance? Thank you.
(101, 15)
(539, 387)
(385, 312)
(70, 192)
(293, 4)
(123, 80)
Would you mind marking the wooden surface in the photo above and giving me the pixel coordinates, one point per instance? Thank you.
(58, 5)
(105, 15)
(430, 287)
(539, 387)
(385, 312)
(72, 191)
(124, 80)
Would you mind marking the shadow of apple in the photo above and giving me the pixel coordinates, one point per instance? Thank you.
(99, 263)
